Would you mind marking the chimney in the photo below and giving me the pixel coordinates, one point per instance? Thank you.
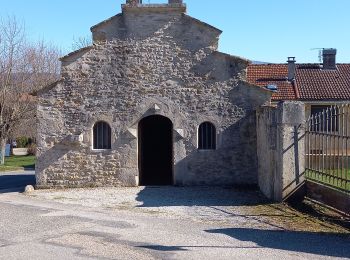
(329, 59)
(136, 2)
(133, 2)
(291, 68)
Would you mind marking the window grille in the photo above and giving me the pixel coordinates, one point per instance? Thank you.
(325, 118)
(102, 136)
(206, 136)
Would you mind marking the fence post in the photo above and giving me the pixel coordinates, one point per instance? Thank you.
(281, 150)
(290, 149)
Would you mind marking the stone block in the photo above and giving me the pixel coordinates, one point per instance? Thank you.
(291, 112)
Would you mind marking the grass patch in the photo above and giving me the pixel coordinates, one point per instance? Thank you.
(331, 178)
(14, 163)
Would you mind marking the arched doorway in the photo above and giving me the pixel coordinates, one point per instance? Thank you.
(155, 137)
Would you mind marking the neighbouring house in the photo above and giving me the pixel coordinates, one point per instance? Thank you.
(317, 85)
(152, 102)
(323, 88)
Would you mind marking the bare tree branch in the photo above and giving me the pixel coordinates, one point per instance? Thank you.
(24, 68)
(81, 42)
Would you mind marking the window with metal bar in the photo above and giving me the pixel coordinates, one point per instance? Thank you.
(324, 118)
(102, 136)
(206, 136)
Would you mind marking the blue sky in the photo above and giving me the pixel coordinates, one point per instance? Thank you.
(263, 30)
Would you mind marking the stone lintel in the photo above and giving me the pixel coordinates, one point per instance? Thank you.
(180, 133)
(132, 132)
(156, 108)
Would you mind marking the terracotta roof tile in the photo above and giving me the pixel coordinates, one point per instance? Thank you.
(276, 74)
(312, 82)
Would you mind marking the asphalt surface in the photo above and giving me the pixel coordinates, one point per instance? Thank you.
(15, 181)
(32, 227)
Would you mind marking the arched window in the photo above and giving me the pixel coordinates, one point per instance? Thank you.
(206, 136)
(102, 136)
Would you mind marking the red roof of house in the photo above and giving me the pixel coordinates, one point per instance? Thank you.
(311, 81)
(314, 83)
(272, 74)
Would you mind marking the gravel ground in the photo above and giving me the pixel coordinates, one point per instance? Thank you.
(161, 223)
(224, 206)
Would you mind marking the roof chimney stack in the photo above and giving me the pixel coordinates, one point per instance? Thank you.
(329, 59)
(291, 68)
(133, 2)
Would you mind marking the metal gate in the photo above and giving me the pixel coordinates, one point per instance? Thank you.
(328, 147)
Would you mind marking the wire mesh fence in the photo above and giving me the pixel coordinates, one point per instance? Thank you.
(328, 147)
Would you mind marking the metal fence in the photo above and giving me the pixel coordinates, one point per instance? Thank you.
(328, 147)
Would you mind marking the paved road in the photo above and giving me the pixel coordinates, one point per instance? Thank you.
(34, 227)
(15, 181)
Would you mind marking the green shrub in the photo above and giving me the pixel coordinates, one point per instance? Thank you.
(32, 149)
(22, 142)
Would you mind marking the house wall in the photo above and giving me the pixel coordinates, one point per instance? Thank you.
(150, 57)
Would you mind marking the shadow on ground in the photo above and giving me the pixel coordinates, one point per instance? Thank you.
(322, 213)
(11, 182)
(164, 196)
(325, 244)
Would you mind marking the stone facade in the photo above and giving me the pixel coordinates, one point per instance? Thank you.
(150, 59)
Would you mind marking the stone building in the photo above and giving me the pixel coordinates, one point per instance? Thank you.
(151, 102)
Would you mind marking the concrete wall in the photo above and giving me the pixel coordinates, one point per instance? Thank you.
(281, 150)
(147, 56)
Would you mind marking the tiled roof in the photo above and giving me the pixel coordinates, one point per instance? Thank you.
(311, 81)
(314, 83)
(272, 74)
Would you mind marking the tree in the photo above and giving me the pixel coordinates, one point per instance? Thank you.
(81, 42)
(24, 68)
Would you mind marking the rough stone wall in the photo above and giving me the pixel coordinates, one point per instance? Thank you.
(267, 146)
(141, 58)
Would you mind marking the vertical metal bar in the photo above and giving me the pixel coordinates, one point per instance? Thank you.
(346, 149)
(213, 137)
(318, 145)
(345, 146)
(338, 148)
(313, 146)
(307, 150)
(202, 136)
(94, 137)
(327, 145)
(207, 136)
(335, 145)
(323, 125)
(102, 135)
(342, 126)
(331, 145)
(97, 135)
